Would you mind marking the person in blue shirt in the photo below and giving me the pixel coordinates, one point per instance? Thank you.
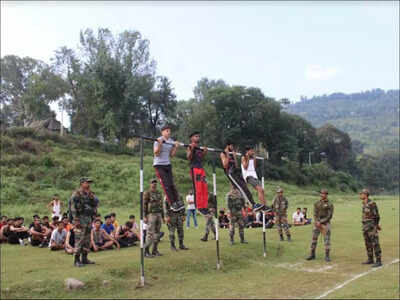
(108, 226)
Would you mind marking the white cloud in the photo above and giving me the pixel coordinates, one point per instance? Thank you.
(318, 72)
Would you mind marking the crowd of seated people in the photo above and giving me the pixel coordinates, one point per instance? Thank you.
(60, 234)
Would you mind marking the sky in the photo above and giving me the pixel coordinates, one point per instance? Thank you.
(287, 49)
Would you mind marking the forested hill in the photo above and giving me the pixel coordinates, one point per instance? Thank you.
(371, 118)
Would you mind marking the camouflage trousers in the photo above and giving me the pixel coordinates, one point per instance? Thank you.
(210, 225)
(371, 239)
(82, 239)
(236, 219)
(327, 236)
(154, 221)
(175, 223)
(281, 222)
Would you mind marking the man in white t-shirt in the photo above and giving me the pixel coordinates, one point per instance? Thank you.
(298, 217)
(191, 209)
(58, 236)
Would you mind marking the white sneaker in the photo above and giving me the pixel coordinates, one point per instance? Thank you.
(21, 242)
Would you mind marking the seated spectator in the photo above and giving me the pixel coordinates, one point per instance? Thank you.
(307, 220)
(58, 236)
(124, 235)
(223, 220)
(38, 233)
(3, 221)
(18, 232)
(258, 220)
(47, 226)
(100, 239)
(67, 225)
(5, 230)
(269, 219)
(135, 228)
(113, 220)
(298, 218)
(70, 239)
(108, 226)
(97, 217)
(53, 224)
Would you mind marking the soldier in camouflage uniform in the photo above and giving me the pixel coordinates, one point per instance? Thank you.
(83, 207)
(235, 203)
(154, 216)
(209, 214)
(175, 220)
(280, 206)
(323, 212)
(370, 227)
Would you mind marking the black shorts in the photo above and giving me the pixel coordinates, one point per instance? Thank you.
(35, 242)
(253, 181)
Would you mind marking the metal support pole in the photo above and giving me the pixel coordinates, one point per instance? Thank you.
(216, 214)
(264, 233)
(141, 217)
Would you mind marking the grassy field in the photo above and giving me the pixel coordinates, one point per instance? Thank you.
(28, 272)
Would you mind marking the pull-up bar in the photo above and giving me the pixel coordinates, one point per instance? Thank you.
(198, 148)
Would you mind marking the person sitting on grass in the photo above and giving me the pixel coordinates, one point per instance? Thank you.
(298, 218)
(100, 239)
(5, 231)
(307, 220)
(54, 223)
(135, 228)
(18, 232)
(108, 226)
(223, 220)
(70, 239)
(67, 225)
(38, 233)
(114, 220)
(124, 235)
(3, 221)
(58, 236)
(97, 217)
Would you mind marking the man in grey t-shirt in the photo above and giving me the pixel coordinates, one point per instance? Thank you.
(164, 149)
(58, 236)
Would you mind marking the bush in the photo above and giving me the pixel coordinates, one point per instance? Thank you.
(20, 132)
(8, 145)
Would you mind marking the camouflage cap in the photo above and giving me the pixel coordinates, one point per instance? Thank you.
(279, 190)
(85, 179)
(365, 191)
(324, 191)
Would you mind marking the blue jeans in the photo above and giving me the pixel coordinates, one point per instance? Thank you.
(191, 212)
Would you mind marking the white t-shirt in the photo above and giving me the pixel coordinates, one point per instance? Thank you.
(298, 217)
(58, 237)
(251, 170)
(190, 202)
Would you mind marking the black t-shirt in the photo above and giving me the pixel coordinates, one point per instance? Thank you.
(197, 157)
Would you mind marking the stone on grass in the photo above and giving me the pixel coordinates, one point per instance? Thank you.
(73, 284)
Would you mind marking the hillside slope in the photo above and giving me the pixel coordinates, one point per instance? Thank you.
(370, 117)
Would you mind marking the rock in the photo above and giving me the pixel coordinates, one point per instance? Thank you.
(72, 283)
(106, 282)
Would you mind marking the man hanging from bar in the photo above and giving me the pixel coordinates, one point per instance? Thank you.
(163, 152)
(249, 164)
(195, 156)
(234, 174)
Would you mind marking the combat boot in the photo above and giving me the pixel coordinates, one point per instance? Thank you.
(378, 263)
(85, 260)
(204, 238)
(77, 260)
(182, 246)
(147, 253)
(281, 237)
(155, 250)
(289, 238)
(231, 240)
(242, 240)
(312, 255)
(173, 248)
(369, 261)
(327, 258)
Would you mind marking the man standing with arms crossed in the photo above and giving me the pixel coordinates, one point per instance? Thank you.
(163, 152)
(323, 212)
(370, 227)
